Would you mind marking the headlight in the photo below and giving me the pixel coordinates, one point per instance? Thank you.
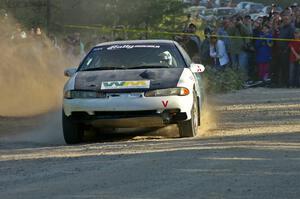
(168, 92)
(82, 95)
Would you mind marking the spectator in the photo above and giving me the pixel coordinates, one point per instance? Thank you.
(205, 48)
(297, 18)
(54, 41)
(3, 15)
(187, 22)
(294, 78)
(249, 48)
(78, 46)
(192, 42)
(221, 31)
(248, 22)
(275, 63)
(19, 34)
(286, 32)
(218, 52)
(32, 32)
(264, 53)
(239, 56)
(253, 68)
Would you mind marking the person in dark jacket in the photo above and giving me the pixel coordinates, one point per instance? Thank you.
(193, 42)
(205, 48)
(286, 31)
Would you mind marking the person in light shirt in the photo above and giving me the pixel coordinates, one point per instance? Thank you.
(218, 52)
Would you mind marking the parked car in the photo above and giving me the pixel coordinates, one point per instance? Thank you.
(207, 15)
(222, 3)
(241, 7)
(268, 9)
(128, 84)
(254, 16)
(224, 12)
(194, 11)
(254, 7)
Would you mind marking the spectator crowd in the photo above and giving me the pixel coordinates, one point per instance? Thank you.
(266, 49)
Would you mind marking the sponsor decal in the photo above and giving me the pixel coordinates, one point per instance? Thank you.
(125, 85)
(165, 103)
(115, 47)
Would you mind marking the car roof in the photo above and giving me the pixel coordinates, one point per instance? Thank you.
(246, 2)
(254, 3)
(197, 7)
(125, 42)
(224, 8)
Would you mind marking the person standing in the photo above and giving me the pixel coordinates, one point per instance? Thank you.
(223, 35)
(239, 55)
(294, 78)
(205, 48)
(264, 52)
(286, 31)
(192, 42)
(253, 69)
(297, 18)
(78, 46)
(218, 52)
(275, 63)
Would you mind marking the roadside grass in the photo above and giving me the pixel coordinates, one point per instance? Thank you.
(222, 81)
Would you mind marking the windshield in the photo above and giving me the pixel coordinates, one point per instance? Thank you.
(242, 5)
(257, 6)
(225, 11)
(132, 56)
(208, 12)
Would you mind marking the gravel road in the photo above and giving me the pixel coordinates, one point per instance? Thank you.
(248, 147)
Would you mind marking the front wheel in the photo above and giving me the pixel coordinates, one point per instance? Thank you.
(190, 128)
(73, 133)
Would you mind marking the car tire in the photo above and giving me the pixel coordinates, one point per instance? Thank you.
(200, 105)
(189, 128)
(73, 133)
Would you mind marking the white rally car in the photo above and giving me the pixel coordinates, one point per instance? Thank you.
(128, 84)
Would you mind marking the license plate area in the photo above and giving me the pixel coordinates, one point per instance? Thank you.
(125, 95)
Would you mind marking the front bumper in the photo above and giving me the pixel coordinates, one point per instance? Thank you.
(130, 112)
(129, 119)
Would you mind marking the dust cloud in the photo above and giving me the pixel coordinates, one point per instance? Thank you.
(209, 118)
(31, 73)
(43, 130)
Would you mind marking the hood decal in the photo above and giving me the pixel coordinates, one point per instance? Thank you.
(127, 80)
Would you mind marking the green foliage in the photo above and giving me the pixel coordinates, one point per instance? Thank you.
(221, 81)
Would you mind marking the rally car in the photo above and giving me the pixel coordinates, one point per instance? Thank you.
(131, 84)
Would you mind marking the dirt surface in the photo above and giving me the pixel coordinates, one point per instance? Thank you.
(248, 147)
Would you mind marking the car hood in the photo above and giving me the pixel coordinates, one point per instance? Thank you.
(128, 80)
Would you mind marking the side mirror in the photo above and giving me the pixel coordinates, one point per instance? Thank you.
(197, 68)
(70, 72)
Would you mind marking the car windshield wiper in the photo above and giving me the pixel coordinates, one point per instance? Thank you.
(103, 68)
(149, 66)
